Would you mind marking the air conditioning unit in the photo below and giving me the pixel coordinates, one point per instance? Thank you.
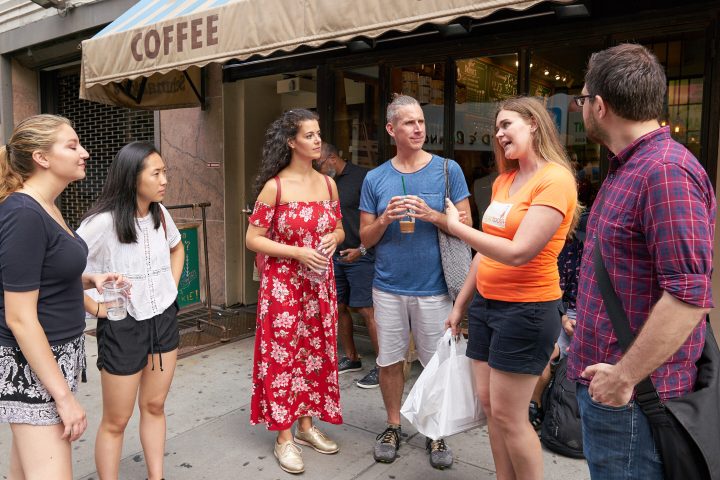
(296, 85)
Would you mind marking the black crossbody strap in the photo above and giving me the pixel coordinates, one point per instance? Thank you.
(645, 393)
(613, 305)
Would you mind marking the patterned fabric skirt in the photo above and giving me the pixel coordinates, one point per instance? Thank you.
(23, 398)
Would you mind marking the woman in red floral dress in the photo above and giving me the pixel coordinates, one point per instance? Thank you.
(296, 225)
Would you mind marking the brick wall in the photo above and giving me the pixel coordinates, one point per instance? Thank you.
(103, 130)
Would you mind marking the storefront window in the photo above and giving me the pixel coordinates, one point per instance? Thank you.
(481, 83)
(356, 112)
(556, 76)
(426, 83)
(684, 61)
(683, 57)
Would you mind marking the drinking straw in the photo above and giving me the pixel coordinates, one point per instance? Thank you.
(403, 182)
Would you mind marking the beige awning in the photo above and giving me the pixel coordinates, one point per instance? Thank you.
(150, 57)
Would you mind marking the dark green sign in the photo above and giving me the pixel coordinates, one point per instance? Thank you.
(189, 287)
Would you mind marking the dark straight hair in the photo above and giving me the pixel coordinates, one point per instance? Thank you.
(119, 195)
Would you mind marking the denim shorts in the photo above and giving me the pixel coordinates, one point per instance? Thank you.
(514, 337)
(354, 281)
(617, 441)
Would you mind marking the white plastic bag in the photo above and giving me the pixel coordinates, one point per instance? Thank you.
(443, 402)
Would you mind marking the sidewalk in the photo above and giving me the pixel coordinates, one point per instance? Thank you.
(209, 435)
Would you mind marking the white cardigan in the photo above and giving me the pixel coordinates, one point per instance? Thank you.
(146, 263)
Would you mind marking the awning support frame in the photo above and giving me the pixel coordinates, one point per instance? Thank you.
(200, 94)
(127, 88)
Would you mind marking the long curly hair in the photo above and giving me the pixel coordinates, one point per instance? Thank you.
(276, 151)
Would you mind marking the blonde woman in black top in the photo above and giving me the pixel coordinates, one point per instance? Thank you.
(42, 318)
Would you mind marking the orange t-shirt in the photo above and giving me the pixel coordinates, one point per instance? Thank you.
(538, 280)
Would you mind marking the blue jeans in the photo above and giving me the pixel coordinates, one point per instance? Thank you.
(617, 441)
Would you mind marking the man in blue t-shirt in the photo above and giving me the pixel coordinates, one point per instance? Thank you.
(409, 287)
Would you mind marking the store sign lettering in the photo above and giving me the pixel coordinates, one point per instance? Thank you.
(195, 34)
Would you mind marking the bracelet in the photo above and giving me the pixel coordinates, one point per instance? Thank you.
(98, 310)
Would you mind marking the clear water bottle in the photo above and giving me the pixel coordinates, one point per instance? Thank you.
(312, 275)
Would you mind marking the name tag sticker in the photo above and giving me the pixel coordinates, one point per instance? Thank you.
(496, 214)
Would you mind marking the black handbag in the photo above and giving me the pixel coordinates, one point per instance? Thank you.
(686, 429)
(455, 254)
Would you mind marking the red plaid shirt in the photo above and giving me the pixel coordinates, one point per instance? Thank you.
(654, 220)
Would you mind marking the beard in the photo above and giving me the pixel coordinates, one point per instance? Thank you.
(331, 172)
(595, 132)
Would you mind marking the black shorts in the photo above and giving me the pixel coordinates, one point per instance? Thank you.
(124, 345)
(515, 337)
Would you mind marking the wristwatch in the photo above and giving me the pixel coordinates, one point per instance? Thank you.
(363, 250)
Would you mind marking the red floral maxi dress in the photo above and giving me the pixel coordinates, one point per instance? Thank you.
(295, 364)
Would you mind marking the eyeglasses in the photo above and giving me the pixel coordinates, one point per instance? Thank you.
(580, 99)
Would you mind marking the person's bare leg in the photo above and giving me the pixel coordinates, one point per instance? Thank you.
(119, 393)
(154, 388)
(42, 453)
(503, 464)
(16, 471)
(544, 379)
(392, 382)
(510, 395)
(284, 436)
(368, 314)
(305, 423)
(542, 382)
(345, 331)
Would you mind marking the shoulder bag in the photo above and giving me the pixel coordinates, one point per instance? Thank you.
(454, 253)
(261, 258)
(686, 429)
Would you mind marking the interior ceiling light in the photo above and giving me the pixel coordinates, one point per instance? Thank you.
(579, 10)
(456, 28)
(546, 72)
(360, 45)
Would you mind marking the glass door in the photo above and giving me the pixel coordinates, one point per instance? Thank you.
(356, 114)
(481, 82)
(426, 83)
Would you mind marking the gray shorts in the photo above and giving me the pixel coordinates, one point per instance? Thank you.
(397, 315)
(23, 398)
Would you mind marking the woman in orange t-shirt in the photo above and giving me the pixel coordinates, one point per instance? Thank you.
(514, 318)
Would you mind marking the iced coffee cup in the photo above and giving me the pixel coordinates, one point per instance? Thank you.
(407, 224)
(115, 297)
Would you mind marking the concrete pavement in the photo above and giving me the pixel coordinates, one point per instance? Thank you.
(209, 435)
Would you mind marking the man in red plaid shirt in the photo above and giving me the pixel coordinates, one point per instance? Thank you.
(653, 221)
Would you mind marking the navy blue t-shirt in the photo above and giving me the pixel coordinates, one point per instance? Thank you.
(38, 254)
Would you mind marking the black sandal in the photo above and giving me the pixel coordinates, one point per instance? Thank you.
(536, 415)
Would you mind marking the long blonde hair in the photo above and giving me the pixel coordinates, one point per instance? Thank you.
(545, 140)
(38, 132)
